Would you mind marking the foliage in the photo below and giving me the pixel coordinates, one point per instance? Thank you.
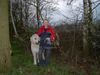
(23, 64)
(96, 41)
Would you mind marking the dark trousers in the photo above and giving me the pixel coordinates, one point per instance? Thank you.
(46, 52)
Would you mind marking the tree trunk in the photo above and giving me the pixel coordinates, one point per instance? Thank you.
(37, 12)
(87, 27)
(26, 12)
(5, 63)
(12, 19)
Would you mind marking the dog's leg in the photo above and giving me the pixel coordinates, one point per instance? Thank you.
(35, 59)
(43, 56)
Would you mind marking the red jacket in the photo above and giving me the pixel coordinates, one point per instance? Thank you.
(49, 29)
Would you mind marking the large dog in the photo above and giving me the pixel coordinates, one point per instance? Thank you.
(35, 47)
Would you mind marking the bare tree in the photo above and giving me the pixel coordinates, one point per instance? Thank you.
(37, 11)
(13, 23)
(43, 8)
(87, 26)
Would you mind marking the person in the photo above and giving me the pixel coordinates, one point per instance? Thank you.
(47, 36)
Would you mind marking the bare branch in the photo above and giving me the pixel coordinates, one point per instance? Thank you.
(96, 6)
(95, 1)
(13, 23)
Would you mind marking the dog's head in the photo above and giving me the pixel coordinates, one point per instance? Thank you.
(35, 39)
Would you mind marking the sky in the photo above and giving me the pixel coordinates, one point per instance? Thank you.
(70, 11)
(97, 11)
(66, 10)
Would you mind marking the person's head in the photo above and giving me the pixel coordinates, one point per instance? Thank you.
(45, 23)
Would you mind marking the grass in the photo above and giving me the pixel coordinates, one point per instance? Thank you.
(22, 64)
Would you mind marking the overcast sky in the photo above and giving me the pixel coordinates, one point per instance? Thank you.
(66, 10)
(70, 10)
